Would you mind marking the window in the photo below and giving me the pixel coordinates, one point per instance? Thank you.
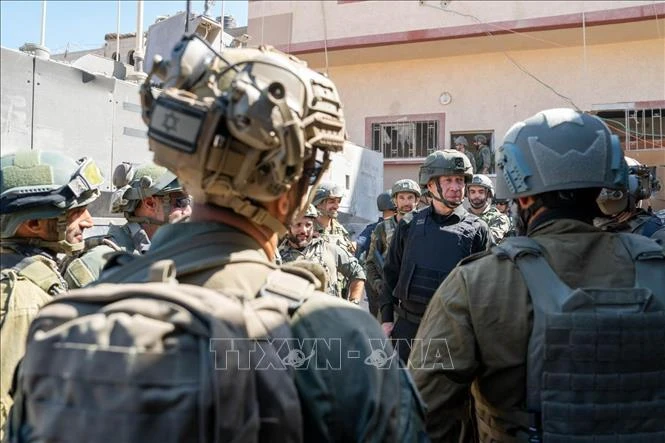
(472, 150)
(406, 139)
(638, 129)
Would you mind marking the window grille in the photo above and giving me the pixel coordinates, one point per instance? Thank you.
(405, 139)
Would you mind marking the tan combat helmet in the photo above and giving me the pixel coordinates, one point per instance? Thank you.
(45, 185)
(243, 127)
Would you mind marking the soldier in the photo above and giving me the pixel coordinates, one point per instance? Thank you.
(149, 196)
(503, 206)
(489, 317)
(623, 209)
(405, 193)
(300, 244)
(43, 200)
(427, 245)
(480, 193)
(247, 134)
(483, 155)
(327, 200)
(386, 206)
(462, 145)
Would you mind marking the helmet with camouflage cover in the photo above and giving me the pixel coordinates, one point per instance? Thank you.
(483, 181)
(384, 202)
(558, 149)
(444, 163)
(311, 212)
(327, 190)
(405, 185)
(137, 182)
(243, 128)
(461, 140)
(480, 138)
(39, 185)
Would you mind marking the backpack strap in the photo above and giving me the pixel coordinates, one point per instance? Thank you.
(649, 261)
(547, 293)
(291, 283)
(35, 269)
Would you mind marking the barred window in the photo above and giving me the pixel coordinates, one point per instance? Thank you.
(405, 139)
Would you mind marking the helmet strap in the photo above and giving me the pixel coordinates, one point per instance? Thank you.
(442, 199)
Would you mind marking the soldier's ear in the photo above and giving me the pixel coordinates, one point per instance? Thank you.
(35, 228)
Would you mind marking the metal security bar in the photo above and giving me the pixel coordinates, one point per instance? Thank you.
(405, 139)
(644, 129)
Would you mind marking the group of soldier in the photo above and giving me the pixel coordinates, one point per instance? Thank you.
(545, 328)
(480, 155)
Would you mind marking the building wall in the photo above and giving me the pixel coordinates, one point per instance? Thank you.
(295, 22)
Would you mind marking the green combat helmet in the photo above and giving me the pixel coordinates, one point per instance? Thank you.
(556, 150)
(384, 202)
(241, 129)
(405, 185)
(39, 185)
(327, 190)
(135, 183)
(461, 140)
(445, 163)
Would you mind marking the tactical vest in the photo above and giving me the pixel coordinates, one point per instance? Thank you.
(596, 356)
(35, 268)
(318, 252)
(431, 251)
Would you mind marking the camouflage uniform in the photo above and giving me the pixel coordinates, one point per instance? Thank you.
(379, 245)
(640, 222)
(50, 184)
(498, 223)
(333, 258)
(336, 234)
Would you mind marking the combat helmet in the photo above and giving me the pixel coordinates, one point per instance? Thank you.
(483, 181)
(405, 185)
(384, 202)
(45, 185)
(311, 212)
(442, 163)
(641, 184)
(137, 182)
(461, 140)
(480, 138)
(243, 128)
(558, 149)
(327, 190)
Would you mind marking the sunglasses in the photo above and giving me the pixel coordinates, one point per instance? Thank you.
(181, 202)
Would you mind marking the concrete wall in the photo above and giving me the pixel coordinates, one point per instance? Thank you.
(279, 22)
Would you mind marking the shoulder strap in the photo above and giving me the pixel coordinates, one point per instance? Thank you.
(35, 270)
(538, 275)
(290, 283)
(649, 261)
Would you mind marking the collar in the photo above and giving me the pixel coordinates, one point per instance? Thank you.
(559, 225)
(457, 214)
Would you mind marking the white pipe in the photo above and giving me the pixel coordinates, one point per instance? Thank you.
(42, 40)
(138, 51)
(117, 35)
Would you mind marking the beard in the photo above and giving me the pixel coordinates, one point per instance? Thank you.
(300, 240)
(405, 209)
(477, 203)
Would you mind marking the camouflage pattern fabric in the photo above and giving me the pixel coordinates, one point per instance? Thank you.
(498, 223)
(335, 260)
(28, 280)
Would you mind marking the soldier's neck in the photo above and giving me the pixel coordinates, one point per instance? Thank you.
(264, 236)
(324, 221)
